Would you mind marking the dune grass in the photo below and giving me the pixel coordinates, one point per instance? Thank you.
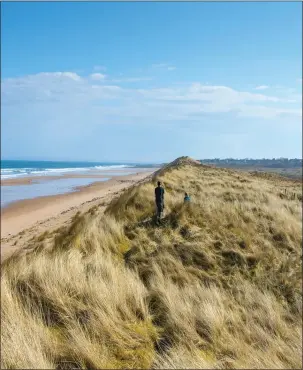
(217, 285)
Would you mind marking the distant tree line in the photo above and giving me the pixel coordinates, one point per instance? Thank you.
(248, 162)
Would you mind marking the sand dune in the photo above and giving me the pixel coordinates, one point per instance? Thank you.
(217, 285)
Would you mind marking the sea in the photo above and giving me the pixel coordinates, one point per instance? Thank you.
(42, 186)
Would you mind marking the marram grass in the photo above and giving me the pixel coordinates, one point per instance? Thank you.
(217, 285)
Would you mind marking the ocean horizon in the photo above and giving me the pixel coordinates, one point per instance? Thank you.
(45, 185)
(23, 168)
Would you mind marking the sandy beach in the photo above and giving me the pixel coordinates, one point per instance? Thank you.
(25, 219)
(31, 180)
(27, 180)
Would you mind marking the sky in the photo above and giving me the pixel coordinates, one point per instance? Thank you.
(149, 82)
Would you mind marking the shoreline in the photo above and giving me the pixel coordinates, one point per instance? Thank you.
(24, 219)
(28, 180)
(32, 180)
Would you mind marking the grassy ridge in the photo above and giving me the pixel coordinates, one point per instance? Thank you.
(217, 285)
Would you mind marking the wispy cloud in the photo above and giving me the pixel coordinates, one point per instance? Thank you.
(97, 76)
(61, 75)
(165, 66)
(262, 87)
(132, 79)
(64, 92)
(56, 112)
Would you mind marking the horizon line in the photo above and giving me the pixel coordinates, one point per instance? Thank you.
(141, 162)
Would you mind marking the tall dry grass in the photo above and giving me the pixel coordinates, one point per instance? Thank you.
(216, 285)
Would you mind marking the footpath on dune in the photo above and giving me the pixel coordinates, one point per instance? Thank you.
(216, 285)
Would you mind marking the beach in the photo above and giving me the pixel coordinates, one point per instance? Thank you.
(25, 219)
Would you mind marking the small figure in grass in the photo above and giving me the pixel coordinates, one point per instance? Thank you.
(159, 194)
(186, 198)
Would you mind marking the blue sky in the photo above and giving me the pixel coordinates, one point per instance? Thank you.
(151, 81)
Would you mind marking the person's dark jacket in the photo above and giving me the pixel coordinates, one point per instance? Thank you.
(159, 193)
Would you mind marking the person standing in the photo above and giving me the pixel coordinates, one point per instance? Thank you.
(159, 195)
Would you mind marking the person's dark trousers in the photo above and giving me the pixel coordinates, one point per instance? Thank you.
(160, 207)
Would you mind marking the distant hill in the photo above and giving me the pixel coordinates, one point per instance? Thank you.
(270, 163)
(217, 285)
